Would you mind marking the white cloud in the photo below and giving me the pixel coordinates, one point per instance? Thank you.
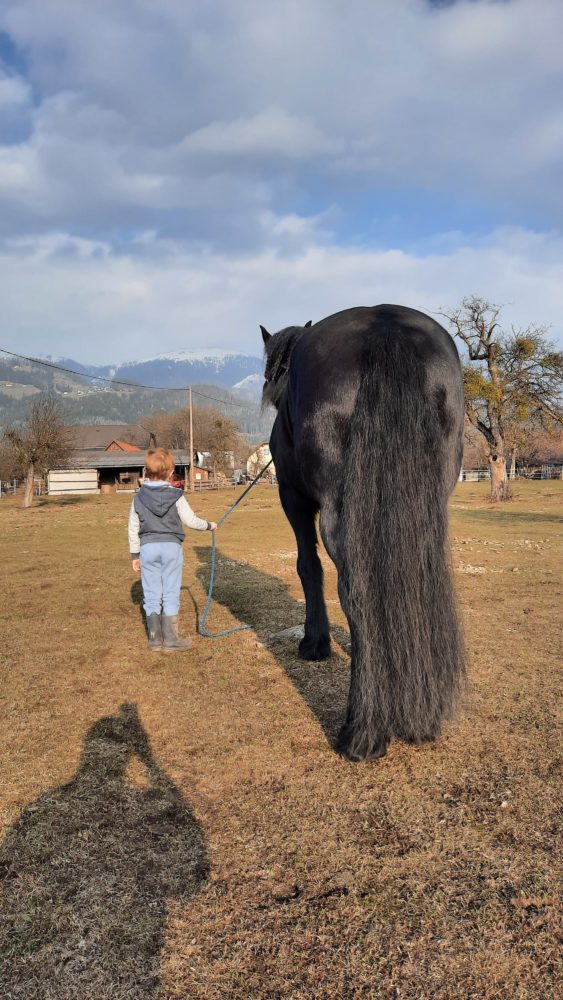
(176, 172)
(14, 93)
(171, 299)
(270, 132)
(47, 246)
(152, 108)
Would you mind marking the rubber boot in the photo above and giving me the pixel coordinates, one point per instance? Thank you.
(170, 637)
(154, 629)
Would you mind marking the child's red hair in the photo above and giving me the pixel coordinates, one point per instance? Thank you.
(159, 464)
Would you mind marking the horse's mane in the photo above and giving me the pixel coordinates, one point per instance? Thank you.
(278, 352)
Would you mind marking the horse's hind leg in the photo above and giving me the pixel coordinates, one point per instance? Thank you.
(364, 735)
(300, 513)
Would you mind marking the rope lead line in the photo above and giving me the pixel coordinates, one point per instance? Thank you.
(238, 628)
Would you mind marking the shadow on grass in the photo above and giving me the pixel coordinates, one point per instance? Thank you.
(194, 605)
(60, 501)
(86, 872)
(263, 602)
(137, 598)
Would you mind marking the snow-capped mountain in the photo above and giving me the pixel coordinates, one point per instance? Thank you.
(213, 354)
(250, 387)
(204, 367)
(177, 369)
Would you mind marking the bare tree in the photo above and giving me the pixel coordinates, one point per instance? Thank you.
(474, 447)
(212, 432)
(43, 441)
(157, 426)
(8, 460)
(538, 446)
(222, 441)
(510, 378)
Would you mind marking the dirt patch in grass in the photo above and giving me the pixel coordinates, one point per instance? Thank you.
(204, 840)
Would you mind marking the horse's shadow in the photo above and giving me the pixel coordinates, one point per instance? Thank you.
(87, 869)
(263, 602)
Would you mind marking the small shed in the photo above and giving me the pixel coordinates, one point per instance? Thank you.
(63, 481)
(201, 475)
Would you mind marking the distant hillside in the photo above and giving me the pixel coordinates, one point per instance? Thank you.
(96, 402)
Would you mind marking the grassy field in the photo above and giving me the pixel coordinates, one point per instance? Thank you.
(204, 840)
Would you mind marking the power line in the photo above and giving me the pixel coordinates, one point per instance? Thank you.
(130, 385)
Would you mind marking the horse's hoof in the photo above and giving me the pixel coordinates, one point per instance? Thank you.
(356, 747)
(430, 737)
(314, 649)
(418, 739)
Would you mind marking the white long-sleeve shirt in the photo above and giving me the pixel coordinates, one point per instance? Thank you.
(187, 516)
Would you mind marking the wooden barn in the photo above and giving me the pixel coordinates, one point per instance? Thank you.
(114, 465)
(108, 472)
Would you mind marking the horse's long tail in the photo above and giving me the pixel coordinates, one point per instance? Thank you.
(407, 650)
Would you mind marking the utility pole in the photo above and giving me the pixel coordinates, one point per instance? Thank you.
(192, 485)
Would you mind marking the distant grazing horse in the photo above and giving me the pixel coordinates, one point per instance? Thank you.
(369, 432)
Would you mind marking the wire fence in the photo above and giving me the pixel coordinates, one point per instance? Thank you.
(13, 487)
(16, 487)
(521, 472)
(474, 475)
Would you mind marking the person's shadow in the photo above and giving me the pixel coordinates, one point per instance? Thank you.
(87, 869)
(137, 599)
(263, 602)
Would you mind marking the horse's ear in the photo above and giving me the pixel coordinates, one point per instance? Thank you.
(265, 335)
(308, 323)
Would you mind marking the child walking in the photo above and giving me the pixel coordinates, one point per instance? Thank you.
(157, 514)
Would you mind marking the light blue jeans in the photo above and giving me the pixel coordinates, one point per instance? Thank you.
(161, 576)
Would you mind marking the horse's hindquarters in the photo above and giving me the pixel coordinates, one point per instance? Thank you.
(391, 543)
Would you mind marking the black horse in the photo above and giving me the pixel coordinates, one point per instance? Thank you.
(369, 433)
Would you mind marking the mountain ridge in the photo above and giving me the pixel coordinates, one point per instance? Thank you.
(88, 400)
(175, 368)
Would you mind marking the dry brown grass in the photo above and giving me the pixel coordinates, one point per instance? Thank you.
(240, 857)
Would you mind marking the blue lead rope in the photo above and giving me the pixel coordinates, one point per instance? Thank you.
(238, 628)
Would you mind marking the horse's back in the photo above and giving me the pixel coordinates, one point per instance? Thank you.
(327, 367)
(346, 335)
(330, 360)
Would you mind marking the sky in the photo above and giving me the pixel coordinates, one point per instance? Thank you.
(174, 173)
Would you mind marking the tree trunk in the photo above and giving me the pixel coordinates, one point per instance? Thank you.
(28, 493)
(512, 473)
(500, 488)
